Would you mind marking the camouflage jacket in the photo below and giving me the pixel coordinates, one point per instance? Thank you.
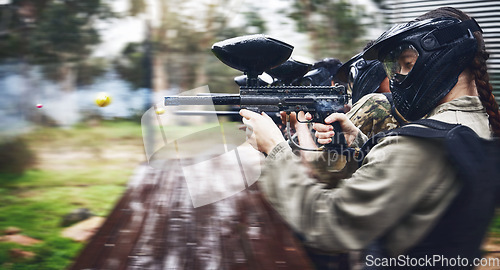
(372, 114)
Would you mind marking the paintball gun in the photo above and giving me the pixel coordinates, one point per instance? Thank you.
(256, 54)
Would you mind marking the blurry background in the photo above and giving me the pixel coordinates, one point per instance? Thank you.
(64, 159)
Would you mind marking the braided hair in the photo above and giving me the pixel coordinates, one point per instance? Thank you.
(477, 67)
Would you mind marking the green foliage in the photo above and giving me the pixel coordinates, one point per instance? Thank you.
(495, 226)
(334, 27)
(15, 156)
(133, 65)
(58, 35)
(56, 31)
(87, 71)
(254, 19)
(221, 77)
(62, 33)
(12, 47)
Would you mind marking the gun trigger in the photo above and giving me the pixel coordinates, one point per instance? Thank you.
(298, 120)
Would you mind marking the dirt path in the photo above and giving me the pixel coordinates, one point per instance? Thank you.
(492, 246)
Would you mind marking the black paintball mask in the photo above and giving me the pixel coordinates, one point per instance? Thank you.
(362, 76)
(423, 60)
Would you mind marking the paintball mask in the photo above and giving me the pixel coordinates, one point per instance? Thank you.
(363, 77)
(423, 60)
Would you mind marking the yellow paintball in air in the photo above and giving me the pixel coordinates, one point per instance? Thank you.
(160, 110)
(102, 99)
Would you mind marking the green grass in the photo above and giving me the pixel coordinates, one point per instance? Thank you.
(82, 136)
(78, 174)
(495, 226)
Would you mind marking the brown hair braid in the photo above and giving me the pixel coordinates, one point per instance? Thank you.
(477, 67)
(479, 70)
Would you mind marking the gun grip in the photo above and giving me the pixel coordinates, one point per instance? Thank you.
(338, 139)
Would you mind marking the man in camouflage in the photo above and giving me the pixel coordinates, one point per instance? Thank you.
(372, 114)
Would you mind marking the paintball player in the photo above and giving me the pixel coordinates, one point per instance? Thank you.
(372, 101)
(371, 113)
(372, 110)
(403, 199)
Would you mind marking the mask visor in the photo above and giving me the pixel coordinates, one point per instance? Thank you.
(399, 62)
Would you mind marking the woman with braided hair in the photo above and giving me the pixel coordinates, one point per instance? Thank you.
(477, 68)
(409, 198)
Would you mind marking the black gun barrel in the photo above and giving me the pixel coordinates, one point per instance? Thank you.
(216, 94)
(207, 113)
(221, 100)
(202, 100)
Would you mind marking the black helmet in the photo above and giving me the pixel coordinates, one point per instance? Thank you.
(423, 60)
(322, 73)
(363, 76)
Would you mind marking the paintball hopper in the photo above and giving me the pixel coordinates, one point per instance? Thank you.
(289, 71)
(252, 54)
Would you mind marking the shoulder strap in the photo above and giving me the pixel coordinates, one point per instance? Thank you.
(432, 129)
(473, 156)
(394, 112)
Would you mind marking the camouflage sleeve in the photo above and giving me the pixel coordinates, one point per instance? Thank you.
(372, 114)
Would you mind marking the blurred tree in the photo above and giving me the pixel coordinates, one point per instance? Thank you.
(334, 26)
(180, 42)
(57, 35)
(130, 64)
(137, 7)
(255, 20)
